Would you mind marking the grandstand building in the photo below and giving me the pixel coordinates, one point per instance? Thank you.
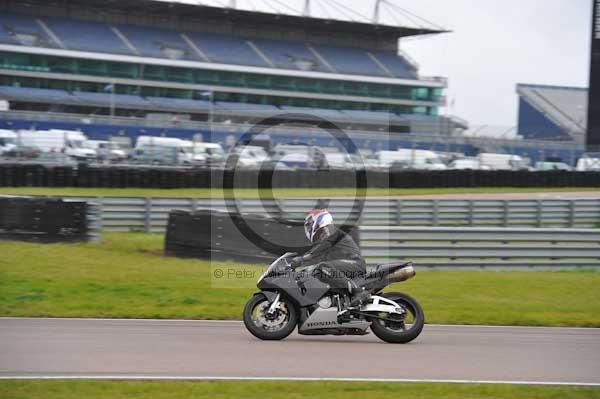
(553, 113)
(118, 69)
(166, 57)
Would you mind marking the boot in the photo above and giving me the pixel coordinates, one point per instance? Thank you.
(359, 295)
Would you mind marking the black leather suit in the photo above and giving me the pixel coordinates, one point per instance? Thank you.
(338, 259)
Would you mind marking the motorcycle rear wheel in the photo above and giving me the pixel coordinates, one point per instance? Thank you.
(399, 332)
(269, 327)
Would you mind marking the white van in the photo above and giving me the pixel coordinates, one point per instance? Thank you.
(501, 161)
(544, 166)
(185, 153)
(414, 159)
(340, 160)
(69, 142)
(467, 164)
(317, 155)
(586, 163)
(212, 152)
(108, 150)
(250, 156)
(8, 141)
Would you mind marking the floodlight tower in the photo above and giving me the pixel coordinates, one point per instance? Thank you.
(593, 115)
(306, 11)
(376, 11)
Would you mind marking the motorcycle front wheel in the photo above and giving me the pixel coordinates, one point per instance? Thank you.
(270, 327)
(402, 329)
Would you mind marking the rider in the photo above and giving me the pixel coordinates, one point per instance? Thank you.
(336, 254)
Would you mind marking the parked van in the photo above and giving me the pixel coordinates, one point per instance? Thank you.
(316, 156)
(184, 148)
(502, 161)
(339, 160)
(212, 152)
(467, 164)
(587, 163)
(8, 141)
(155, 155)
(249, 156)
(543, 166)
(414, 159)
(67, 141)
(106, 150)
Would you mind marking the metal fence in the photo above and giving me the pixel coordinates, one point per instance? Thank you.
(151, 214)
(452, 247)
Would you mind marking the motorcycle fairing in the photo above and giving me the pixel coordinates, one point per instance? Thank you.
(271, 295)
(303, 290)
(323, 319)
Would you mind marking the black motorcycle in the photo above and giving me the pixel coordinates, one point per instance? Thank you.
(294, 297)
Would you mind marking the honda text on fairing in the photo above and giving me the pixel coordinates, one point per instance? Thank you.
(291, 297)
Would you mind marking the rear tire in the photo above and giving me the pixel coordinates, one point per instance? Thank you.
(388, 333)
(262, 331)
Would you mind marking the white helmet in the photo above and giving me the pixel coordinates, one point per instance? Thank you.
(316, 220)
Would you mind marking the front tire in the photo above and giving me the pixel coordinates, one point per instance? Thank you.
(269, 327)
(399, 332)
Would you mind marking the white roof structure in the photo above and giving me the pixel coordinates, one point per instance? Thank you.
(564, 106)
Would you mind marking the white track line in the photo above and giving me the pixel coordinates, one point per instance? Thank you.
(222, 378)
(239, 322)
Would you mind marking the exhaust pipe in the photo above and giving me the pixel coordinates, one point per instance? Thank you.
(403, 274)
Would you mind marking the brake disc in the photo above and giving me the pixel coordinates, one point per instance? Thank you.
(268, 321)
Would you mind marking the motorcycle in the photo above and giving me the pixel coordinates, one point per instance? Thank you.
(294, 297)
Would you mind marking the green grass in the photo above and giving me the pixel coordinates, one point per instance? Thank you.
(127, 277)
(11, 389)
(255, 193)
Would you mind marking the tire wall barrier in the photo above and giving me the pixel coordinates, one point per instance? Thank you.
(18, 175)
(213, 234)
(45, 220)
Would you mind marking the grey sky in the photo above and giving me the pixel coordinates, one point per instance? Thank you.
(497, 44)
(494, 45)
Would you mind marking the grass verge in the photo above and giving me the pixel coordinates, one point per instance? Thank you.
(11, 389)
(127, 277)
(277, 193)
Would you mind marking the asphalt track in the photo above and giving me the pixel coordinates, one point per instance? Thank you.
(76, 348)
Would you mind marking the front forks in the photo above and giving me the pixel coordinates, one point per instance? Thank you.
(274, 304)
